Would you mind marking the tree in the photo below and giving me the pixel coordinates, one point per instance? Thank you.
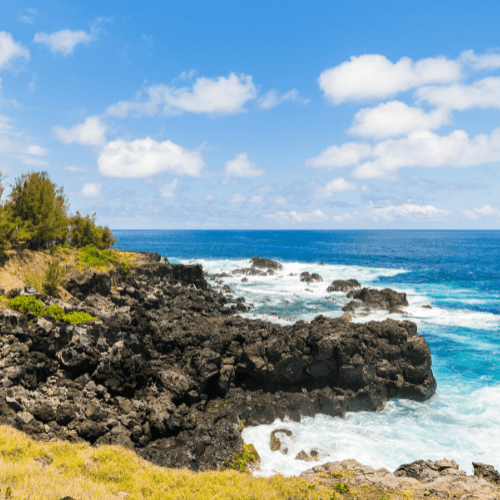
(83, 231)
(39, 209)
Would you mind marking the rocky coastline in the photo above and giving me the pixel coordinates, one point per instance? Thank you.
(171, 371)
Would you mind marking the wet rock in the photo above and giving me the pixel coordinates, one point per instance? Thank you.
(302, 455)
(387, 299)
(265, 263)
(427, 306)
(310, 278)
(344, 285)
(275, 442)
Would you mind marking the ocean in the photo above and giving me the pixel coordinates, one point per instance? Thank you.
(457, 273)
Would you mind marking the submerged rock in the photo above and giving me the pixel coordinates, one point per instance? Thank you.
(310, 278)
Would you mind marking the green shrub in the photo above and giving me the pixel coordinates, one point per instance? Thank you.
(26, 304)
(53, 279)
(341, 487)
(92, 256)
(75, 318)
(57, 312)
(83, 231)
(245, 458)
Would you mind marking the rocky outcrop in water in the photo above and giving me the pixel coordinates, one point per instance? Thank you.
(387, 299)
(265, 263)
(310, 278)
(170, 371)
(343, 285)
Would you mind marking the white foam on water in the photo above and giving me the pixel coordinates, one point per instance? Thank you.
(461, 427)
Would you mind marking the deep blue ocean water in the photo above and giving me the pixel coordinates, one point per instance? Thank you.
(456, 272)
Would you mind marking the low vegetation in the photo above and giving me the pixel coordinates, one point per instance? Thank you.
(31, 305)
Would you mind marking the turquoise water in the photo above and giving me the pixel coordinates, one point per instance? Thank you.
(456, 272)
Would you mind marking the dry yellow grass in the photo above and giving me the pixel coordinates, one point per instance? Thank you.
(50, 471)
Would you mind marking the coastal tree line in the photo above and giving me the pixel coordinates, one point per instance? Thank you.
(35, 215)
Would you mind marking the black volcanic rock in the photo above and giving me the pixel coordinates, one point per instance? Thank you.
(310, 278)
(343, 285)
(169, 371)
(387, 299)
(265, 263)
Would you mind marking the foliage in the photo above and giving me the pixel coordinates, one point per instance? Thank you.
(57, 312)
(27, 304)
(245, 458)
(38, 211)
(341, 487)
(76, 318)
(92, 256)
(53, 279)
(83, 231)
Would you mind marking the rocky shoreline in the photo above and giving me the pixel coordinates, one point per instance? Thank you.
(170, 371)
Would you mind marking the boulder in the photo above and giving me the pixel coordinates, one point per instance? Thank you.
(265, 263)
(344, 285)
(387, 299)
(486, 471)
(310, 278)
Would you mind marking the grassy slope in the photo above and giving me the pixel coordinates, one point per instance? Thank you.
(29, 268)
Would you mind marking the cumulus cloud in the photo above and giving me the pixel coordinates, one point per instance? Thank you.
(75, 169)
(238, 198)
(483, 93)
(10, 50)
(64, 41)
(408, 211)
(295, 217)
(395, 118)
(168, 189)
(257, 199)
(242, 167)
(35, 149)
(374, 76)
(480, 62)
(420, 149)
(90, 190)
(89, 133)
(486, 211)
(339, 185)
(346, 155)
(272, 98)
(147, 157)
(214, 96)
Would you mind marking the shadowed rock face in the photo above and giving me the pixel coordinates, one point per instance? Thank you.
(170, 372)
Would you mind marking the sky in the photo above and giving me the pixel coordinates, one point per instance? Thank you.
(257, 115)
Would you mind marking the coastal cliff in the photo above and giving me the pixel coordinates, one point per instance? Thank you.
(169, 370)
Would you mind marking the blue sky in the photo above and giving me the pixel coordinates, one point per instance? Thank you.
(283, 114)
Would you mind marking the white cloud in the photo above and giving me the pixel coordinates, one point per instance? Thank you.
(374, 76)
(241, 166)
(10, 49)
(64, 41)
(299, 217)
(238, 198)
(168, 189)
(90, 190)
(348, 154)
(35, 162)
(395, 118)
(147, 157)
(215, 96)
(75, 169)
(89, 133)
(339, 185)
(408, 211)
(480, 62)
(257, 199)
(484, 93)
(279, 200)
(480, 212)
(209, 197)
(420, 149)
(271, 98)
(345, 217)
(35, 149)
